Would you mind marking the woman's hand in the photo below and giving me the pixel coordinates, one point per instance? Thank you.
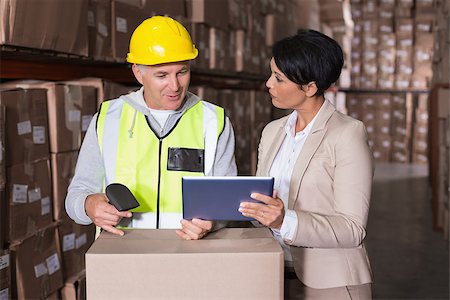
(194, 229)
(269, 213)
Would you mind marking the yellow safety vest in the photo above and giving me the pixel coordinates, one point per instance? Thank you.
(152, 167)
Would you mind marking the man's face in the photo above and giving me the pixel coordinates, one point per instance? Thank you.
(165, 85)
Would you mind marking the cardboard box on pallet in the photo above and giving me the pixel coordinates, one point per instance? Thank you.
(74, 240)
(36, 265)
(26, 125)
(5, 275)
(29, 198)
(149, 257)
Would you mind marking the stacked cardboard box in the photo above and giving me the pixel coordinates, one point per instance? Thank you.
(239, 113)
(397, 45)
(28, 183)
(3, 203)
(5, 275)
(56, 25)
(37, 266)
(28, 173)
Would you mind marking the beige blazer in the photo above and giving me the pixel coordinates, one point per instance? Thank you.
(330, 192)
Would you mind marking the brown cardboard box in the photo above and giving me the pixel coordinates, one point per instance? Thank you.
(75, 287)
(3, 220)
(70, 110)
(125, 19)
(72, 30)
(200, 37)
(5, 275)
(74, 241)
(443, 103)
(29, 198)
(56, 25)
(235, 263)
(106, 90)
(2, 147)
(213, 13)
(238, 18)
(63, 169)
(37, 266)
(173, 8)
(26, 125)
(99, 28)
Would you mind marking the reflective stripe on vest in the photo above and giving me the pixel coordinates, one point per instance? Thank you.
(134, 156)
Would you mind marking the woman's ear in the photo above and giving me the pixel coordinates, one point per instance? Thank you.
(137, 73)
(311, 89)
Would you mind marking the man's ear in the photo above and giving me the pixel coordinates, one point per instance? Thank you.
(311, 89)
(137, 73)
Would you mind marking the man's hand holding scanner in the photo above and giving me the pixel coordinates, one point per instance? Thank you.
(269, 213)
(194, 229)
(104, 214)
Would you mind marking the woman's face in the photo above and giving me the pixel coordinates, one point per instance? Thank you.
(285, 94)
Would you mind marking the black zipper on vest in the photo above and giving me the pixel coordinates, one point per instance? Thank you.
(159, 183)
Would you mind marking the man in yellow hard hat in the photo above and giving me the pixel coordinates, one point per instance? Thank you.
(148, 139)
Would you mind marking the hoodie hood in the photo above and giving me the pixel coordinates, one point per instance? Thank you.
(136, 100)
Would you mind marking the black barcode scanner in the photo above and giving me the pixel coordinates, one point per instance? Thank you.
(121, 197)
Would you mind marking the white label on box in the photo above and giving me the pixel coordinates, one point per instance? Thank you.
(4, 294)
(20, 193)
(53, 263)
(40, 270)
(69, 242)
(81, 240)
(24, 127)
(91, 18)
(4, 261)
(102, 29)
(39, 135)
(45, 206)
(34, 195)
(74, 115)
(85, 121)
(121, 25)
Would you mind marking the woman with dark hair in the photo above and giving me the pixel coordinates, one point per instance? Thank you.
(323, 171)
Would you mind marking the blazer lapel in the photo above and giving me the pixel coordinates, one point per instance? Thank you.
(309, 148)
(273, 149)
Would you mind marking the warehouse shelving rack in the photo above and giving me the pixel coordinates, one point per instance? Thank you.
(46, 65)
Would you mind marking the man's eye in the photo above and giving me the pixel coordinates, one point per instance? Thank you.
(161, 75)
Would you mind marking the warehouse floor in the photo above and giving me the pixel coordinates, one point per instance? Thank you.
(409, 259)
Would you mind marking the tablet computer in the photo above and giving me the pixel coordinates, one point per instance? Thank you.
(218, 198)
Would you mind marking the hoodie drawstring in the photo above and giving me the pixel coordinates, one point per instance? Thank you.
(130, 131)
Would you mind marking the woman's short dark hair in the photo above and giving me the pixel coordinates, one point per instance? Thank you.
(309, 56)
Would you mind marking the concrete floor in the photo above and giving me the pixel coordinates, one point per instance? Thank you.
(409, 260)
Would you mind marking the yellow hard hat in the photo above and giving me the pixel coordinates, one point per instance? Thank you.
(160, 40)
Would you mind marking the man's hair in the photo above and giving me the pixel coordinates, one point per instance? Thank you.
(309, 56)
(142, 68)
